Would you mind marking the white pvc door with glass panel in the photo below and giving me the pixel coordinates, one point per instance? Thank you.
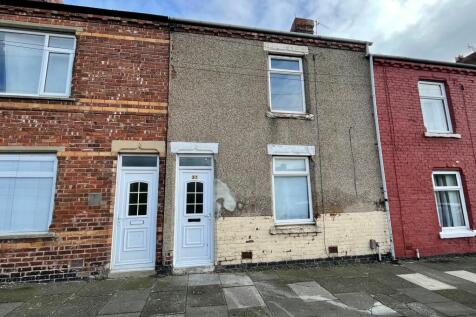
(194, 214)
(135, 213)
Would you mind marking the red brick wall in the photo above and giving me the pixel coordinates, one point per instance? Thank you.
(410, 157)
(120, 91)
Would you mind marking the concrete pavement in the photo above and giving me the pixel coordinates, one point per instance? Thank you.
(431, 287)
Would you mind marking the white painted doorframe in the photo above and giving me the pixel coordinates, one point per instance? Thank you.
(121, 201)
(178, 212)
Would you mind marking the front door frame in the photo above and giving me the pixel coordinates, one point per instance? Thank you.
(116, 214)
(212, 205)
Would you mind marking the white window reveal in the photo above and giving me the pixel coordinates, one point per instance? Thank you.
(286, 84)
(35, 64)
(291, 190)
(450, 202)
(27, 186)
(434, 106)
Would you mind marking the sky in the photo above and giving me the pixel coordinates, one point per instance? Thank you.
(430, 29)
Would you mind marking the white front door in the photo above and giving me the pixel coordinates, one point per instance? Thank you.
(135, 213)
(194, 212)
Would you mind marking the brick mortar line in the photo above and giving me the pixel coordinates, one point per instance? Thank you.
(79, 108)
(123, 37)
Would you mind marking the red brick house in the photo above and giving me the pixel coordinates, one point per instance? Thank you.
(83, 123)
(427, 115)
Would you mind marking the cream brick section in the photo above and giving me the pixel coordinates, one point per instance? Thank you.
(351, 232)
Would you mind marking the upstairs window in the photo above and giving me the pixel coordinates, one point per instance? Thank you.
(286, 84)
(434, 106)
(35, 64)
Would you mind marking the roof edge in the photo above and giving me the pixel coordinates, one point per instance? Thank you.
(264, 30)
(85, 10)
(424, 61)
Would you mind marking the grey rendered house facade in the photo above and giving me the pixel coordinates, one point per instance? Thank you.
(271, 149)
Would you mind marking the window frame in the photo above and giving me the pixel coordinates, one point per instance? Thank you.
(34, 157)
(286, 72)
(444, 98)
(44, 63)
(310, 219)
(460, 190)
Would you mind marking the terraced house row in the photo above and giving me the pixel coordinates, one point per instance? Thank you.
(136, 142)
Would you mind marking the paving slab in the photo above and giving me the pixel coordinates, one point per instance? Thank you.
(5, 308)
(101, 288)
(229, 280)
(243, 297)
(129, 301)
(272, 289)
(210, 311)
(358, 300)
(122, 315)
(426, 281)
(137, 283)
(171, 283)
(40, 306)
(250, 312)
(203, 279)
(172, 302)
(80, 306)
(60, 287)
(334, 308)
(463, 274)
(206, 295)
(423, 310)
(22, 293)
(263, 276)
(285, 307)
(459, 296)
(424, 296)
(311, 291)
(452, 309)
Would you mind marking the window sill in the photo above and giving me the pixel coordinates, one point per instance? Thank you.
(28, 235)
(282, 115)
(58, 98)
(457, 234)
(307, 228)
(442, 135)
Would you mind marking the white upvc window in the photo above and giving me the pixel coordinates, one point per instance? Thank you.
(450, 203)
(27, 186)
(434, 106)
(286, 84)
(291, 190)
(35, 63)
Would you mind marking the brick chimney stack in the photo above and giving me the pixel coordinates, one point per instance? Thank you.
(301, 25)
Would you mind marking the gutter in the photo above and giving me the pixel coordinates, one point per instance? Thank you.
(380, 156)
(423, 61)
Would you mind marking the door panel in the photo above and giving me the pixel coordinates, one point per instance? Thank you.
(135, 219)
(194, 218)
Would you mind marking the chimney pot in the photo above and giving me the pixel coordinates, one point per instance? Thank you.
(301, 25)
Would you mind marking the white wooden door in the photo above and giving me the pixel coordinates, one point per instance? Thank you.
(194, 227)
(135, 214)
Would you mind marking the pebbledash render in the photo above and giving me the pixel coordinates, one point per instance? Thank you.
(426, 112)
(272, 151)
(83, 118)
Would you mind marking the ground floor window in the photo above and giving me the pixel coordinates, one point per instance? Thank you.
(291, 190)
(450, 200)
(27, 184)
